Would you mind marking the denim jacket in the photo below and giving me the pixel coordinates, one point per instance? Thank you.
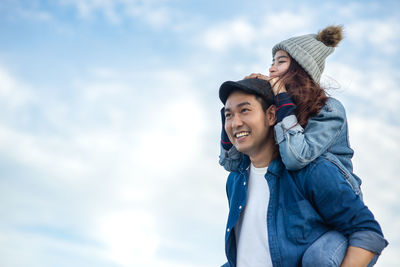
(325, 134)
(302, 207)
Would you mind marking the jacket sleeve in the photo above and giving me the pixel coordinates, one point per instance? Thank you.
(230, 159)
(341, 208)
(298, 147)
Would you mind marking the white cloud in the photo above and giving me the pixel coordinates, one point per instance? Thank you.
(373, 85)
(238, 32)
(155, 13)
(295, 23)
(24, 10)
(13, 93)
(376, 145)
(383, 35)
(130, 237)
(52, 154)
(8, 84)
(102, 178)
(255, 36)
(45, 251)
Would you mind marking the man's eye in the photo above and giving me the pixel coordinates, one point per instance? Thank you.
(244, 110)
(227, 115)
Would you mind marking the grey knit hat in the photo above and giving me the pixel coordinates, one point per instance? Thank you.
(311, 50)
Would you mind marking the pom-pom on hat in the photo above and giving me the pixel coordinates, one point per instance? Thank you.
(311, 50)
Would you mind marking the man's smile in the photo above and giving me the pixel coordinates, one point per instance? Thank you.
(241, 134)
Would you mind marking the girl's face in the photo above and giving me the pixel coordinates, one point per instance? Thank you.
(280, 64)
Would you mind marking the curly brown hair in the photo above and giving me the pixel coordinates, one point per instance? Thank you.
(308, 95)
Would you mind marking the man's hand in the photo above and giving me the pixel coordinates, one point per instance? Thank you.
(357, 257)
(276, 83)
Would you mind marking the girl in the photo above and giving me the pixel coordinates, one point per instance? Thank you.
(309, 124)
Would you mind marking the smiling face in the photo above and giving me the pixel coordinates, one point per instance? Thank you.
(280, 64)
(248, 126)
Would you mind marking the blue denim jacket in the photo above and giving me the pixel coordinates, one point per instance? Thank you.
(325, 134)
(302, 207)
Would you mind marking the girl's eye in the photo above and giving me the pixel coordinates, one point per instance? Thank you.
(281, 62)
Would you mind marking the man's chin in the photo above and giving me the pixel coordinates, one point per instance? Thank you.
(242, 149)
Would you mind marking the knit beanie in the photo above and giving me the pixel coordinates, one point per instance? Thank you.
(311, 50)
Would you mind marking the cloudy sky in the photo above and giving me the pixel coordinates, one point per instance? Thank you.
(109, 121)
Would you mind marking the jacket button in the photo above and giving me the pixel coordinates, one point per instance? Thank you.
(240, 207)
(244, 183)
(228, 230)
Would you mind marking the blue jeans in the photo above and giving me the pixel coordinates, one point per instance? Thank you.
(328, 250)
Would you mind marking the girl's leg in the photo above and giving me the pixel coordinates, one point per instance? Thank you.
(328, 250)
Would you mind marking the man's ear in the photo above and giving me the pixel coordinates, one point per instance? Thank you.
(270, 115)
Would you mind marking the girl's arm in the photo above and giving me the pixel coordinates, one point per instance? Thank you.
(229, 157)
(298, 146)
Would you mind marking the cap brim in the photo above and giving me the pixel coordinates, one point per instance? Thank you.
(252, 86)
(228, 87)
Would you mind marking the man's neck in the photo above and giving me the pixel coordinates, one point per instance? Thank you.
(264, 156)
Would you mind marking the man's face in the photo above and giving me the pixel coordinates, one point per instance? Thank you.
(246, 124)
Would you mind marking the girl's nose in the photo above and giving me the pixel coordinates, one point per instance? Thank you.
(272, 69)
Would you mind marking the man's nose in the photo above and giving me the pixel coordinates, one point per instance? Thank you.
(237, 122)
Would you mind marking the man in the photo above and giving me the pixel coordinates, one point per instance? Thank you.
(287, 218)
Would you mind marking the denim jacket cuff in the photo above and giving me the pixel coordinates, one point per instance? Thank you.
(368, 240)
(288, 124)
(279, 133)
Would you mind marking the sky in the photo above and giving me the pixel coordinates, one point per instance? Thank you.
(109, 121)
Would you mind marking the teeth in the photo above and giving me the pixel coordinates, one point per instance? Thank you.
(242, 134)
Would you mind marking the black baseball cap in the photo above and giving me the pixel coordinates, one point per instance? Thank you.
(253, 86)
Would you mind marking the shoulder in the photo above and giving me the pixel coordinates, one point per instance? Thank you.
(321, 163)
(334, 105)
(322, 173)
(333, 110)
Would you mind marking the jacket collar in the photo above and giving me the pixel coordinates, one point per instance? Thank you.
(275, 167)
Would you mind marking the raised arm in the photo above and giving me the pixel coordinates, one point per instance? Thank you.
(298, 147)
(229, 157)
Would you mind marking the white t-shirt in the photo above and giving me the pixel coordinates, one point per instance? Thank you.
(251, 230)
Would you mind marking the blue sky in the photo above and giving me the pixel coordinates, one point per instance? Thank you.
(109, 121)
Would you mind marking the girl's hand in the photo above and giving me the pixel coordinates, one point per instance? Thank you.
(276, 84)
(257, 76)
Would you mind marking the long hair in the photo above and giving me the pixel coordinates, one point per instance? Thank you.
(308, 95)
